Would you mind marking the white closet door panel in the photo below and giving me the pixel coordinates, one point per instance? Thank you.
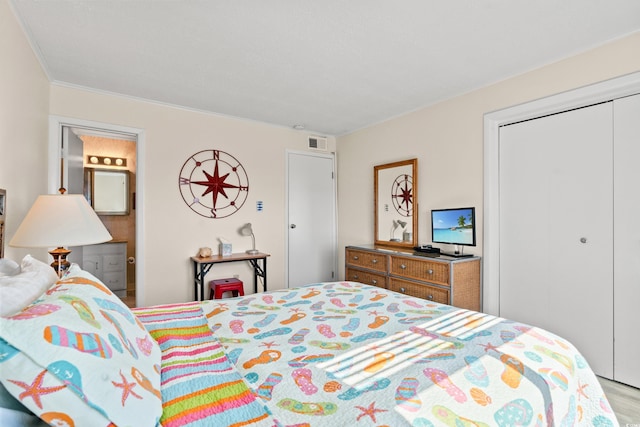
(555, 190)
(627, 240)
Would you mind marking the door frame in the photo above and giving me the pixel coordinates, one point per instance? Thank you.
(55, 140)
(331, 156)
(598, 92)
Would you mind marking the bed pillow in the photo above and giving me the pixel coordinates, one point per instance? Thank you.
(31, 280)
(8, 267)
(78, 355)
(200, 386)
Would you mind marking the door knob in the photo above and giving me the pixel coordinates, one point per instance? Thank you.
(583, 240)
(292, 226)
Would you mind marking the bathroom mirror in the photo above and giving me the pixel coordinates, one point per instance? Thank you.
(107, 191)
(395, 189)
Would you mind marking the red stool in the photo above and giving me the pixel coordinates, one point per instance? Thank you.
(220, 286)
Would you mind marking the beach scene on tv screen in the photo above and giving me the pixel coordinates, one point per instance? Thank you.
(453, 226)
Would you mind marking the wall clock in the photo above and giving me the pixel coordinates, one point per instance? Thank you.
(402, 194)
(213, 183)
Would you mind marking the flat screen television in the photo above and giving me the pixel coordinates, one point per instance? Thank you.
(454, 226)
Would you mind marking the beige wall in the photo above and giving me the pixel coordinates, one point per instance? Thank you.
(447, 139)
(172, 232)
(24, 108)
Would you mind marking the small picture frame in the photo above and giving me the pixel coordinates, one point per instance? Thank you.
(3, 214)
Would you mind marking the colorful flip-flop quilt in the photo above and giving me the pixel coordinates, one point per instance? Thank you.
(344, 353)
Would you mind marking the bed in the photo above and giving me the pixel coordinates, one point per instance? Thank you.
(326, 354)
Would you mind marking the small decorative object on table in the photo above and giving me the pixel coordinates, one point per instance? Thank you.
(225, 247)
(204, 252)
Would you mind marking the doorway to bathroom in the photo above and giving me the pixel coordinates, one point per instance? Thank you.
(87, 156)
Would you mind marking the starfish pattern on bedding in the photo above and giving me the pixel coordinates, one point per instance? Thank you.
(488, 347)
(581, 391)
(268, 344)
(127, 388)
(35, 389)
(369, 411)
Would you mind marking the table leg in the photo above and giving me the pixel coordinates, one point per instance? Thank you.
(201, 271)
(264, 274)
(196, 276)
(259, 271)
(255, 276)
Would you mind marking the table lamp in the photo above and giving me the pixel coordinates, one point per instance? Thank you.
(246, 230)
(58, 220)
(395, 225)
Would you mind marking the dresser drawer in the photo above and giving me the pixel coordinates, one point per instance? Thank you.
(114, 281)
(113, 263)
(430, 293)
(368, 260)
(430, 271)
(366, 277)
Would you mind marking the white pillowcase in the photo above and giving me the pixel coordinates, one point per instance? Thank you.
(19, 290)
(8, 267)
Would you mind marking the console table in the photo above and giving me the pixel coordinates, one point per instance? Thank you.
(201, 267)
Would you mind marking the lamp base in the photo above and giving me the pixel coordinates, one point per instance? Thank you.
(60, 263)
(252, 251)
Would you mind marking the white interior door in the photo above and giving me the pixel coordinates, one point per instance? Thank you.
(627, 240)
(311, 228)
(556, 227)
(73, 179)
(73, 152)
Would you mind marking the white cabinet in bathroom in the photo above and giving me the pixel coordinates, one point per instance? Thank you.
(108, 262)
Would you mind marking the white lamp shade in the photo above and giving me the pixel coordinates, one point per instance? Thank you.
(60, 220)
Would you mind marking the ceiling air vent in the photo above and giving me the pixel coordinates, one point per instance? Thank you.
(318, 143)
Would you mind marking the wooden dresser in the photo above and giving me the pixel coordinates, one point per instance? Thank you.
(447, 280)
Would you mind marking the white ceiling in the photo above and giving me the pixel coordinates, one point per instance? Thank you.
(333, 66)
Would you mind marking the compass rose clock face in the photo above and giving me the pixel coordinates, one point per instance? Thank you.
(402, 194)
(214, 184)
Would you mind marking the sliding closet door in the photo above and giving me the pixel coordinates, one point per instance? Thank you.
(556, 225)
(627, 240)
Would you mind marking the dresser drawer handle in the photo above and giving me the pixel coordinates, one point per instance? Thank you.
(430, 297)
(355, 276)
(355, 257)
(374, 261)
(403, 290)
(374, 281)
(429, 271)
(402, 266)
